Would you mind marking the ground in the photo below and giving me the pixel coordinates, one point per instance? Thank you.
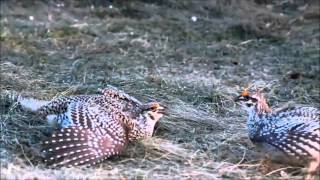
(193, 56)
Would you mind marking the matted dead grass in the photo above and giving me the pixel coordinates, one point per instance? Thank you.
(155, 51)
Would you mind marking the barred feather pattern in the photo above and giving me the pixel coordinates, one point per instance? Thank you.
(95, 127)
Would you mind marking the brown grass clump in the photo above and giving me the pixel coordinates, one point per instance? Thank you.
(155, 51)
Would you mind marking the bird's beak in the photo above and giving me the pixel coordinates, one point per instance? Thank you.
(162, 109)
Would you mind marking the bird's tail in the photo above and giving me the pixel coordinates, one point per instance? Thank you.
(29, 104)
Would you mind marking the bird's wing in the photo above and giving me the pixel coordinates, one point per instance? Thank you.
(296, 142)
(298, 119)
(303, 113)
(80, 146)
(60, 104)
(83, 114)
(113, 92)
(96, 134)
(94, 116)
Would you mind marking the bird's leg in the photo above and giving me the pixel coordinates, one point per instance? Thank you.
(313, 168)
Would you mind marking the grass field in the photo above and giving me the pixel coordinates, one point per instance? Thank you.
(193, 56)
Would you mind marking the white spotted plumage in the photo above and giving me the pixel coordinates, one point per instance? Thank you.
(294, 130)
(95, 127)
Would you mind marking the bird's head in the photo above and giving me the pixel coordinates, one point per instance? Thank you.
(252, 102)
(149, 115)
(153, 111)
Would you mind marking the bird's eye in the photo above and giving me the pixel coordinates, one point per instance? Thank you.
(248, 104)
(244, 98)
(154, 107)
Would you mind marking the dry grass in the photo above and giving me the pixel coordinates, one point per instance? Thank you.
(154, 51)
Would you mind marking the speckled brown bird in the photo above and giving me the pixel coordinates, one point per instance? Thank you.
(291, 134)
(94, 127)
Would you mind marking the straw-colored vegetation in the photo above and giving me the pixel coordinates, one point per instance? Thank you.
(154, 50)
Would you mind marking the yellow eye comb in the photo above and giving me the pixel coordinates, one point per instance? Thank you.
(245, 92)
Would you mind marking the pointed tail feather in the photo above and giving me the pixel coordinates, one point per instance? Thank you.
(31, 104)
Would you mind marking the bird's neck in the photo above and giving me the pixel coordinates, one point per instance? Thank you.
(142, 128)
(256, 120)
(263, 108)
